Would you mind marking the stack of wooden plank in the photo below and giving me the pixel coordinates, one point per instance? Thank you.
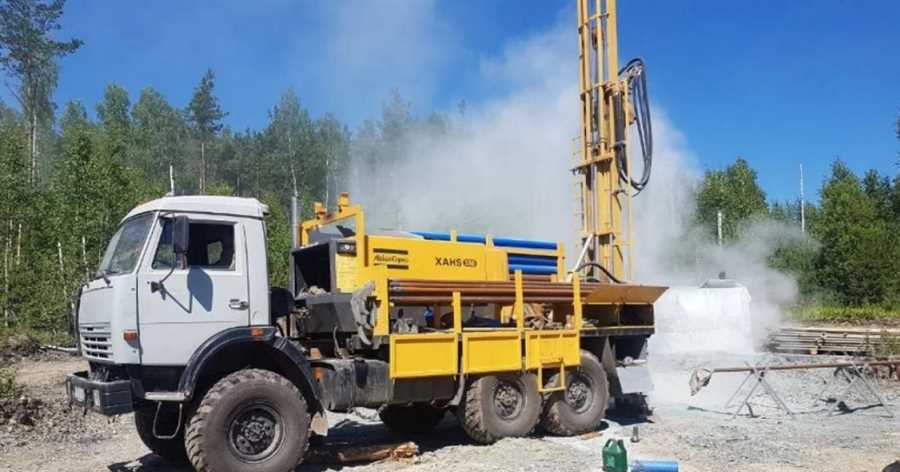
(834, 340)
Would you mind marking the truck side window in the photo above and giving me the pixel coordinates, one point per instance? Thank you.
(211, 246)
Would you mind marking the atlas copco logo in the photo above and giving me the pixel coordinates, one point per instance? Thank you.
(455, 262)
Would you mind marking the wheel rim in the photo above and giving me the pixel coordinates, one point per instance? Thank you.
(255, 432)
(508, 399)
(579, 394)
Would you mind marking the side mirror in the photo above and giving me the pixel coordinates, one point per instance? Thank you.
(181, 231)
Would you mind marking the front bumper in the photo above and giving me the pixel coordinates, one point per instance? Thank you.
(107, 398)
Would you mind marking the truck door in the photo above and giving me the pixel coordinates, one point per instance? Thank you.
(179, 308)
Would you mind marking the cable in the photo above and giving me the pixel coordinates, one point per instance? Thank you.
(635, 72)
(602, 269)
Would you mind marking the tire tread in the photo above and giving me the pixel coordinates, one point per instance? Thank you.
(551, 419)
(193, 435)
(474, 419)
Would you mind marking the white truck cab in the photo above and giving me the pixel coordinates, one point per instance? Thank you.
(141, 293)
(181, 311)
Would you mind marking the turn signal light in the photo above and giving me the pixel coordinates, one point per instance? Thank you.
(130, 335)
(257, 332)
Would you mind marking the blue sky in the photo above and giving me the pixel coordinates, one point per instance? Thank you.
(776, 82)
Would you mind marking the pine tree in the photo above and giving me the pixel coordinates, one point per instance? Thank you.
(205, 117)
(28, 55)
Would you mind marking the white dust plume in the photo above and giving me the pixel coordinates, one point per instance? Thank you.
(503, 168)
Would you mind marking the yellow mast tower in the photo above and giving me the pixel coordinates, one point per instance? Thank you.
(611, 100)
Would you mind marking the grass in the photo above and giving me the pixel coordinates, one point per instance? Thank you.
(40, 337)
(889, 346)
(844, 314)
(870, 314)
(9, 389)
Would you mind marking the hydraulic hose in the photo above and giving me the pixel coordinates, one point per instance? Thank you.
(635, 72)
(602, 269)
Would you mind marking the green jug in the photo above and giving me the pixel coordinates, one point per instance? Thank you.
(615, 457)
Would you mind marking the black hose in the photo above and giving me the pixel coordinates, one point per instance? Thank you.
(602, 269)
(636, 73)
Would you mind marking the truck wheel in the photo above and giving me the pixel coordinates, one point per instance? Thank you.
(582, 406)
(251, 420)
(499, 406)
(417, 418)
(171, 450)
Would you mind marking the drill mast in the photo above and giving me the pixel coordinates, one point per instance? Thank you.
(602, 171)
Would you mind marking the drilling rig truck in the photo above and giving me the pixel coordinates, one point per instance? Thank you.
(181, 327)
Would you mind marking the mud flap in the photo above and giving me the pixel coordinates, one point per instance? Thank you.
(635, 379)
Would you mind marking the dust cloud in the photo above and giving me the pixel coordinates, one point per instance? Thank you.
(503, 169)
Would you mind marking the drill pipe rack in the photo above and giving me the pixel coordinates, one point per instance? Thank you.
(419, 292)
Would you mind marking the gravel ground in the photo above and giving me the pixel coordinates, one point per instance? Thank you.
(697, 431)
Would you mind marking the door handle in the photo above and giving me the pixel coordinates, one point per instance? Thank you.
(236, 304)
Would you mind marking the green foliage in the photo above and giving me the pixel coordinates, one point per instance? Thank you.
(205, 117)
(28, 56)
(796, 257)
(158, 137)
(53, 235)
(113, 111)
(53, 230)
(855, 261)
(204, 112)
(28, 51)
(847, 258)
(733, 191)
(841, 313)
(278, 241)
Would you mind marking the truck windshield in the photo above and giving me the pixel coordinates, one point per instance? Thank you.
(124, 248)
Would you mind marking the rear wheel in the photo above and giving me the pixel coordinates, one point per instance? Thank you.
(171, 450)
(417, 418)
(582, 406)
(251, 420)
(498, 406)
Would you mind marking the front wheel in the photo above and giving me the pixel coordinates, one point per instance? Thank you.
(251, 420)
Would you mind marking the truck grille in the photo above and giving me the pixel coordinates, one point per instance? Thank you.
(95, 341)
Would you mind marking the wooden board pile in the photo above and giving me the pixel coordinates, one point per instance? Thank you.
(835, 341)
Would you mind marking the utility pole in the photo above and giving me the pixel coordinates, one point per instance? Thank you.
(719, 226)
(295, 213)
(802, 204)
(171, 181)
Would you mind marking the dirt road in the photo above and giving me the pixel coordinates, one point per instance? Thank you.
(696, 431)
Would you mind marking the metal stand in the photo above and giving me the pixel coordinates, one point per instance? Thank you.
(757, 372)
(856, 377)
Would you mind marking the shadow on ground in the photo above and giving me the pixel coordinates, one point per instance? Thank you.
(350, 433)
(148, 463)
(346, 433)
